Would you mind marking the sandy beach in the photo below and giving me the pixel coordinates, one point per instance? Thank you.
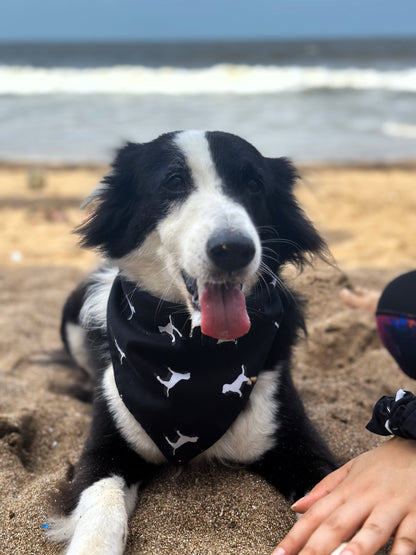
(367, 215)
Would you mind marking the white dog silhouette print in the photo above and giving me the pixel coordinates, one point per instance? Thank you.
(131, 307)
(120, 352)
(182, 439)
(237, 384)
(170, 330)
(175, 378)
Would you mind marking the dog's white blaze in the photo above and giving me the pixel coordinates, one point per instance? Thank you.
(98, 525)
(195, 147)
(128, 426)
(206, 211)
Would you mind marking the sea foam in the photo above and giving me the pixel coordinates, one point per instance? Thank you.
(218, 79)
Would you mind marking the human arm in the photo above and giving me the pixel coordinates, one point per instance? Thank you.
(374, 493)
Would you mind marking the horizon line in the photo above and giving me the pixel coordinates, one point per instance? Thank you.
(202, 40)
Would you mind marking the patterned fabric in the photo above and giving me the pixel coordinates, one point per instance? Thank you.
(396, 321)
(398, 334)
(183, 387)
(395, 416)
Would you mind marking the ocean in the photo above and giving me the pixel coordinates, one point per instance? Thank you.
(316, 100)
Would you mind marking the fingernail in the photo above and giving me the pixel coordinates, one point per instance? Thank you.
(279, 551)
(296, 502)
(347, 552)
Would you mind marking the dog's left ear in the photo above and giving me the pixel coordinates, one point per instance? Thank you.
(298, 237)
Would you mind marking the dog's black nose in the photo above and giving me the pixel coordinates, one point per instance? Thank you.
(230, 250)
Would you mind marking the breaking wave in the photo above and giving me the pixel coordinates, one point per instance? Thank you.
(218, 79)
(399, 129)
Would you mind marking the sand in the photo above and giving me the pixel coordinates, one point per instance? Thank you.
(366, 213)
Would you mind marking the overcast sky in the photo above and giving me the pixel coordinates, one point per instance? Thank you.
(204, 19)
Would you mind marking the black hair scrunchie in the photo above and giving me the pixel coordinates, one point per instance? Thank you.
(395, 416)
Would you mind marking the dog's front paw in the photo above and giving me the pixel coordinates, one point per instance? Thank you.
(98, 525)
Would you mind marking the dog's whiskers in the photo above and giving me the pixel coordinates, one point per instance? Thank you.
(282, 241)
(269, 228)
(265, 269)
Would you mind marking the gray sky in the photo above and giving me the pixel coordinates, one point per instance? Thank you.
(212, 19)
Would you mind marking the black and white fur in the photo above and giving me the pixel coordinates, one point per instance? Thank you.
(153, 218)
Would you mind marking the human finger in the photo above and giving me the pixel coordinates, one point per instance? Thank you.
(322, 489)
(405, 536)
(375, 532)
(361, 298)
(326, 524)
(338, 527)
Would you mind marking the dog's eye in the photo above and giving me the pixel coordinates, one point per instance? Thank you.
(254, 186)
(175, 183)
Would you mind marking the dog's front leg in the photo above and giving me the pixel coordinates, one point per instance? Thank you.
(300, 458)
(96, 504)
(98, 523)
(100, 518)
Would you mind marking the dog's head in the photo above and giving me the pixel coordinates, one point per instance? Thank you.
(198, 218)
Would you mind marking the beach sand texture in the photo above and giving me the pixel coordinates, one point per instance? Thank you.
(367, 215)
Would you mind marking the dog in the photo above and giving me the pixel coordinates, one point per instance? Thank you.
(187, 328)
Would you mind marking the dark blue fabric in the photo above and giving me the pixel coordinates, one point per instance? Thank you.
(396, 321)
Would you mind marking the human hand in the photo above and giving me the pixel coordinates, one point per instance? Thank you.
(375, 493)
(361, 298)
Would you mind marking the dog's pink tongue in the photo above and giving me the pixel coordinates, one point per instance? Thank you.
(223, 311)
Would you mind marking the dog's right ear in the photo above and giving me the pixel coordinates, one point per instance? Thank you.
(93, 196)
(125, 157)
(111, 204)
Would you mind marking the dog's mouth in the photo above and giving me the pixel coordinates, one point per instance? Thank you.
(222, 308)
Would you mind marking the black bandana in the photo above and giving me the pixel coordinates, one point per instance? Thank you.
(183, 387)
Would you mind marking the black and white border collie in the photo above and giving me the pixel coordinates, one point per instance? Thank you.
(196, 228)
